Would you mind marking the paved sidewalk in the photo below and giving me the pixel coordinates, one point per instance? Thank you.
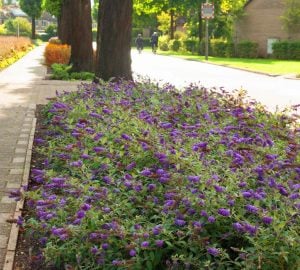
(22, 86)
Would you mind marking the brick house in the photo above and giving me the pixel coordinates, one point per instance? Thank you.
(262, 24)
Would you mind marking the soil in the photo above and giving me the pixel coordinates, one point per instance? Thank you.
(26, 257)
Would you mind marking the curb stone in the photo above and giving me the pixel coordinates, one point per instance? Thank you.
(13, 237)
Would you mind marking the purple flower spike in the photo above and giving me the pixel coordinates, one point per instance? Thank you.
(267, 220)
(159, 243)
(251, 208)
(145, 244)
(179, 222)
(224, 212)
(211, 219)
(105, 246)
(238, 226)
(193, 179)
(126, 137)
(132, 252)
(213, 251)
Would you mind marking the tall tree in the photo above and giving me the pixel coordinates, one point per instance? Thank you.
(291, 16)
(32, 8)
(81, 35)
(113, 43)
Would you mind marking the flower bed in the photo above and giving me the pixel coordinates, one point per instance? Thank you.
(12, 49)
(137, 177)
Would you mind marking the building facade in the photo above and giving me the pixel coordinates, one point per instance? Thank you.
(262, 24)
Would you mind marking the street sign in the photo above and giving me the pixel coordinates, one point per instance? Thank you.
(207, 11)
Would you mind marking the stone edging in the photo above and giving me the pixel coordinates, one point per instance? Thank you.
(13, 237)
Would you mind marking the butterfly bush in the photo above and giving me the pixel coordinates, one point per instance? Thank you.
(138, 176)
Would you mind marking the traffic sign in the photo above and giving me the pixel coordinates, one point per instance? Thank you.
(207, 11)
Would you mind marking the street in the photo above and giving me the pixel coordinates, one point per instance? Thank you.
(271, 91)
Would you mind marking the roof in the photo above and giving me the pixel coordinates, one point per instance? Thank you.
(17, 12)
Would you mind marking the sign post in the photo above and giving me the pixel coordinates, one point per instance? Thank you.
(207, 13)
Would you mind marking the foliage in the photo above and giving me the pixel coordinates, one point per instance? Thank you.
(163, 20)
(247, 49)
(221, 48)
(51, 30)
(64, 72)
(291, 16)
(163, 43)
(175, 45)
(12, 26)
(191, 45)
(52, 6)
(57, 53)
(2, 29)
(286, 50)
(141, 177)
(32, 8)
(95, 9)
(12, 49)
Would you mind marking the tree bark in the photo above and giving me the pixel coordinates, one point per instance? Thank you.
(33, 28)
(200, 27)
(81, 36)
(65, 22)
(113, 44)
(172, 24)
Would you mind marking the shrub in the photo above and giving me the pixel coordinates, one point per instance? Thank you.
(84, 76)
(191, 45)
(54, 40)
(286, 50)
(23, 24)
(51, 30)
(218, 48)
(64, 72)
(57, 53)
(247, 49)
(280, 50)
(163, 43)
(12, 49)
(179, 35)
(60, 71)
(174, 45)
(10, 44)
(137, 178)
(2, 29)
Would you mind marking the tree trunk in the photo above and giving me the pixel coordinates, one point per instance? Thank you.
(81, 38)
(65, 22)
(200, 26)
(33, 28)
(113, 44)
(172, 24)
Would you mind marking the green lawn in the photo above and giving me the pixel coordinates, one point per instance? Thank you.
(270, 66)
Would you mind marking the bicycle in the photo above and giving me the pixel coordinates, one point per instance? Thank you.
(154, 48)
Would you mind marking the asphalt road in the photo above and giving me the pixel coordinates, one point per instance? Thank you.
(273, 92)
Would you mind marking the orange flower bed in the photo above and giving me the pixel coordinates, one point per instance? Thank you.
(57, 53)
(10, 45)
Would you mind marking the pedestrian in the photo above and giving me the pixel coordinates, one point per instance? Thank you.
(139, 43)
(154, 42)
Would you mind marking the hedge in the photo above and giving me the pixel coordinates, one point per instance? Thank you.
(286, 50)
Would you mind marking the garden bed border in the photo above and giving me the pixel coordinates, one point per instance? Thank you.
(13, 237)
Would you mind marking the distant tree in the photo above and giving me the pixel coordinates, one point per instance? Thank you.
(33, 8)
(291, 16)
(113, 42)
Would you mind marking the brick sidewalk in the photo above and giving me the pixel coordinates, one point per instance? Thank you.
(22, 86)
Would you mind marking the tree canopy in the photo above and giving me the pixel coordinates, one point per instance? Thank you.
(32, 8)
(291, 16)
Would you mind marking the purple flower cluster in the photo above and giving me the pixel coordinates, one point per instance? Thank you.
(137, 169)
